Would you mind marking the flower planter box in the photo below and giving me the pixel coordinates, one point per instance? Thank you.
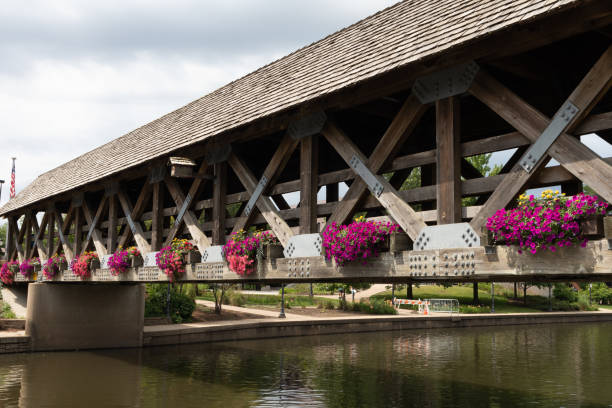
(592, 226)
(192, 257)
(272, 251)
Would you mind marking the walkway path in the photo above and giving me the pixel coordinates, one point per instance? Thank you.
(258, 312)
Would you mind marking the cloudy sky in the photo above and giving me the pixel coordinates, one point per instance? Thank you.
(75, 74)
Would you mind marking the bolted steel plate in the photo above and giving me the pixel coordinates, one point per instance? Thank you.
(213, 254)
(304, 245)
(460, 235)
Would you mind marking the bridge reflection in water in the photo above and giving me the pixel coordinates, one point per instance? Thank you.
(550, 365)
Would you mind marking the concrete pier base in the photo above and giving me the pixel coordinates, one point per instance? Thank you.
(72, 317)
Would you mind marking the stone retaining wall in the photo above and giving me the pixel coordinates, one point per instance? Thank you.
(15, 344)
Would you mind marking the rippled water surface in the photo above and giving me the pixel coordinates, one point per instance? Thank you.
(540, 366)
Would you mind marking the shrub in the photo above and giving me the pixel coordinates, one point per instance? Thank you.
(181, 305)
(474, 309)
(561, 291)
(374, 307)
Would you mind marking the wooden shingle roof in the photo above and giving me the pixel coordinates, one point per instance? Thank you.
(395, 37)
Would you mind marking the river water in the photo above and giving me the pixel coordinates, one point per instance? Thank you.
(541, 366)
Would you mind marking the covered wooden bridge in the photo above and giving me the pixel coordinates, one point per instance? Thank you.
(341, 124)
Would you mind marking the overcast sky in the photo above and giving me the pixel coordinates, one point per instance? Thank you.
(75, 74)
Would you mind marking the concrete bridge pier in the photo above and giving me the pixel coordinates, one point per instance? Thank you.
(85, 316)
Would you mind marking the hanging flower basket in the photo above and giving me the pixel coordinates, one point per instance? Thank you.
(8, 271)
(123, 259)
(54, 266)
(171, 259)
(549, 222)
(358, 240)
(243, 250)
(83, 265)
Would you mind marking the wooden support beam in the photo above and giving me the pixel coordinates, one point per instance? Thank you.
(157, 217)
(403, 214)
(10, 242)
(398, 131)
(448, 160)
(111, 233)
(309, 169)
(331, 192)
(27, 226)
(219, 206)
(133, 215)
(17, 238)
(78, 231)
(569, 152)
(51, 233)
(264, 203)
(61, 234)
(191, 221)
(185, 214)
(39, 233)
(273, 170)
(92, 222)
(280, 202)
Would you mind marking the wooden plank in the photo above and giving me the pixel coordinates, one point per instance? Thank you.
(273, 170)
(17, 237)
(448, 160)
(396, 134)
(62, 226)
(309, 169)
(264, 203)
(403, 214)
(10, 242)
(191, 221)
(111, 232)
(134, 214)
(27, 226)
(38, 237)
(157, 217)
(92, 222)
(219, 206)
(51, 234)
(134, 224)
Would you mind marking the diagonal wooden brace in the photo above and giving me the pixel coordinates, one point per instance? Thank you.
(183, 203)
(191, 221)
(264, 203)
(273, 169)
(567, 150)
(403, 214)
(62, 225)
(38, 237)
(135, 212)
(399, 130)
(132, 218)
(92, 222)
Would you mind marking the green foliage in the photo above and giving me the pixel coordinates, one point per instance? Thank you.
(377, 307)
(182, 305)
(600, 293)
(6, 312)
(562, 291)
(474, 309)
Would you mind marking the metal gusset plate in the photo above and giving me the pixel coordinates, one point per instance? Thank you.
(366, 175)
(446, 83)
(556, 126)
(304, 245)
(184, 208)
(460, 235)
(149, 259)
(307, 125)
(258, 190)
(213, 254)
(104, 261)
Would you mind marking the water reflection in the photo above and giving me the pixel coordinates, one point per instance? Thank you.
(560, 365)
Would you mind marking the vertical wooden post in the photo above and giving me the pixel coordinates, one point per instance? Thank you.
(27, 239)
(111, 244)
(309, 170)
(51, 234)
(78, 231)
(10, 241)
(448, 158)
(428, 178)
(157, 220)
(219, 203)
(331, 192)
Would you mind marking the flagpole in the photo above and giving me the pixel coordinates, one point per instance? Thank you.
(12, 189)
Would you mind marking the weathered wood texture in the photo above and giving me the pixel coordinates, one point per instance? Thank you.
(448, 160)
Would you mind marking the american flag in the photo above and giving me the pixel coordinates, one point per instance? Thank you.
(12, 190)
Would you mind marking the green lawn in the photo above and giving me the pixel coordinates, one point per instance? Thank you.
(605, 307)
(464, 295)
(239, 299)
